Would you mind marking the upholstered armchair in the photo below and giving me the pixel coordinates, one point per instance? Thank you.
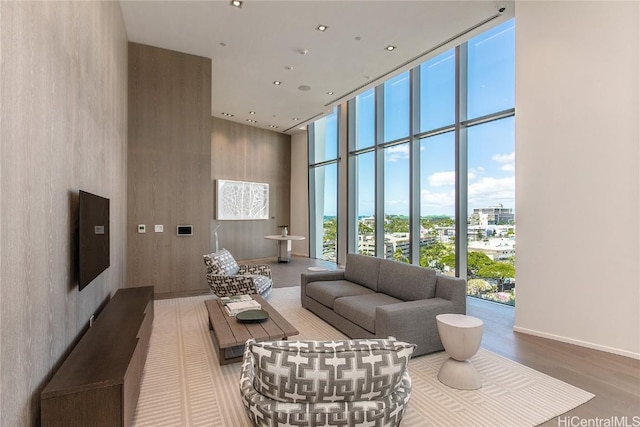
(227, 278)
(326, 383)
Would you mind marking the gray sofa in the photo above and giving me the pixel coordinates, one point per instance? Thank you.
(378, 298)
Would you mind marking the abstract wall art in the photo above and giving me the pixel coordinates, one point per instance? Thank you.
(238, 200)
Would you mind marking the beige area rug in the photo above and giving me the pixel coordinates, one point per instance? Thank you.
(183, 384)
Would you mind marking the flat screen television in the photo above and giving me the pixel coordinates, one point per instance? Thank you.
(93, 237)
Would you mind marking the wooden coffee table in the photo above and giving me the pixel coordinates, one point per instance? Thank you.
(229, 335)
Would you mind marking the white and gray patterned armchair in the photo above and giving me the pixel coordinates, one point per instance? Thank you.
(326, 383)
(227, 278)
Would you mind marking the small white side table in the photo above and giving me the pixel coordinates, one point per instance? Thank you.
(284, 245)
(461, 336)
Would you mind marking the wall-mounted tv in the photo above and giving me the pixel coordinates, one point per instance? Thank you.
(93, 237)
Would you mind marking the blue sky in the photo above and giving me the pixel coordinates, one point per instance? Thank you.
(491, 147)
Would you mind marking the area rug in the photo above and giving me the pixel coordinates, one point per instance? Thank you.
(183, 384)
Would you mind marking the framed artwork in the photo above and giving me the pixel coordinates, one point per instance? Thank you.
(242, 200)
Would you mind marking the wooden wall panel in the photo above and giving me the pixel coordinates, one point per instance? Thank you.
(246, 153)
(63, 127)
(169, 167)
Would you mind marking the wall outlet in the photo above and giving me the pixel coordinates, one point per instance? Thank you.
(159, 228)
(92, 319)
(142, 228)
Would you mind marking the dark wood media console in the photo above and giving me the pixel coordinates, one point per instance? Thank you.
(99, 383)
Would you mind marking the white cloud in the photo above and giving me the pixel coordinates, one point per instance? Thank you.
(439, 179)
(508, 161)
(397, 152)
(490, 191)
(505, 158)
(437, 202)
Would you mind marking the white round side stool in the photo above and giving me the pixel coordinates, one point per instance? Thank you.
(461, 336)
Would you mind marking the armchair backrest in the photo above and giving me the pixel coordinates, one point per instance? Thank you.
(330, 371)
(221, 263)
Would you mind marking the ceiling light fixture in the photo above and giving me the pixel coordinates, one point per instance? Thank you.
(390, 48)
(236, 3)
(273, 126)
(322, 28)
(277, 83)
(227, 114)
(251, 121)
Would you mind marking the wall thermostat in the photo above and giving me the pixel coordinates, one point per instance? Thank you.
(185, 230)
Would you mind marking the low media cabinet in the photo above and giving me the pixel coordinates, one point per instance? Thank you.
(99, 382)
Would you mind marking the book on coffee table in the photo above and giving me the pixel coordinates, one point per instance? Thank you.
(235, 298)
(234, 308)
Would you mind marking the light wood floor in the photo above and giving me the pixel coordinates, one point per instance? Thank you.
(615, 380)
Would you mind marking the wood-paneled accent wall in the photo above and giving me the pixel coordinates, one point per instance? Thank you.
(169, 168)
(63, 127)
(247, 153)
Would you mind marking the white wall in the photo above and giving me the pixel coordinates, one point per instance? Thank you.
(299, 216)
(577, 173)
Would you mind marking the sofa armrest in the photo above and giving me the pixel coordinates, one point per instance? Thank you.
(414, 322)
(453, 289)
(320, 276)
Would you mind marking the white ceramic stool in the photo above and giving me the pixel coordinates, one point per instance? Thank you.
(461, 336)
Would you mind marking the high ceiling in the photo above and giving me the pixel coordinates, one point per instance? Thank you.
(264, 41)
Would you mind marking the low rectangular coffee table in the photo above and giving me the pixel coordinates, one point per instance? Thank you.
(229, 335)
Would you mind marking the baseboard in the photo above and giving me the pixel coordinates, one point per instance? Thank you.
(580, 343)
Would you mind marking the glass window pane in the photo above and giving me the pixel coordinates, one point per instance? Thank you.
(396, 107)
(365, 119)
(396, 203)
(438, 91)
(326, 198)
(325, 138)
(437, 202)
(491, 203)
(365, 199)
(491, 71)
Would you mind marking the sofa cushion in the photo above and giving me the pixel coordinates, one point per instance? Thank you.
(326, 292)
(222, 263)
(361, 309)
(362, 270)
(329, 371)
(406, 282)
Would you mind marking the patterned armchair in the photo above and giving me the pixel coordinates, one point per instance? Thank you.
(227, 278)
(326, 383)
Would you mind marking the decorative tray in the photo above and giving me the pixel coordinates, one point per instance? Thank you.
(252, 316)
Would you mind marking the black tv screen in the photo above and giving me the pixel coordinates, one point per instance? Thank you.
(93, 236)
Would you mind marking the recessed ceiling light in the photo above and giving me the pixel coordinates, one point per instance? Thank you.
(288, 68)
(390, 48)
(277, 83)
(296, 118)
(235, 3)
(321, 27)
(251, 121)
(227, 114)
(252, 112)
(329, 93)
(273, 126)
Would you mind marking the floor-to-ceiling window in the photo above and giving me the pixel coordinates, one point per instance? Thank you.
(323, 178)
(431, 165)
